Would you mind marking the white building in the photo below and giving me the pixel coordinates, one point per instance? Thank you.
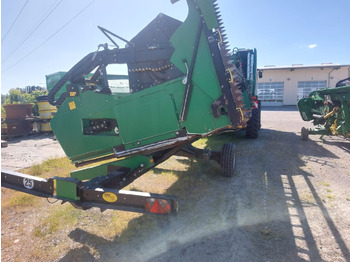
(285, 85)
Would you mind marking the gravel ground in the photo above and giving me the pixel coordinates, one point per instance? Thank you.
(289, 201)
(27, 151)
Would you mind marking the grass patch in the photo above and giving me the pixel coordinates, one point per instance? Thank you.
(330, 197)
(36, 170)
(155, 182)
(58, 218)
(308, 198)
(18, 199)
(51, 167)
(325, 184)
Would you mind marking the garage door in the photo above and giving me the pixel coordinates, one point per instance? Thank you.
(306, 87)
(271, 93)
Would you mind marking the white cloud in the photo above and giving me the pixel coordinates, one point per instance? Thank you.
(312, 46)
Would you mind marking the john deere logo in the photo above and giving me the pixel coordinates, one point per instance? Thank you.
(109, 197)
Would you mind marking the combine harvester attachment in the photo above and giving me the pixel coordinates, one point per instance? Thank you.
(182, 86)
(329, 109)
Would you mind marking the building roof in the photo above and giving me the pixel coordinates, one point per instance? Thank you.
(301, 66)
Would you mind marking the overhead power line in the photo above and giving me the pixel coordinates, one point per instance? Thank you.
(47, 39)
(30, 34)
(20, 12)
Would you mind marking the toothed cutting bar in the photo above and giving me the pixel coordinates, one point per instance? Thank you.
(226, 58)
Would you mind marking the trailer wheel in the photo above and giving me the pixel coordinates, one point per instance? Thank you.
(253, 125)
(228, 160)
(304, 134)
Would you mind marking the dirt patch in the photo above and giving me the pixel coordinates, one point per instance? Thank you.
(288, 202)
(24, 152)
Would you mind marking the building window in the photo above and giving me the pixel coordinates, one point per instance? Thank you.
(271, 91)
(306, 87)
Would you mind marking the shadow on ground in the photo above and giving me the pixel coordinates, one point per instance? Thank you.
(335, 141)
(30, 137)
(258, 215)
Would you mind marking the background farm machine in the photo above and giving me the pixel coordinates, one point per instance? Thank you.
(328, 109)
(179, 91)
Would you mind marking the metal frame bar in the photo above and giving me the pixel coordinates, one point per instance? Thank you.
(107, 32)
(82, 197)
(26, 183)
(189, 84)
(233, 114)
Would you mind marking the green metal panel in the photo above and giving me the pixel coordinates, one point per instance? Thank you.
(305, 105)
(208, 12)
(150, 113)
(147, 116)
(66, 188)
(206, 88)
(67, 125)
(52, 79)
(186, 31)
(200, 119)
(255, 70)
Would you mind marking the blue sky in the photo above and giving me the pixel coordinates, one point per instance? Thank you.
(284, 32)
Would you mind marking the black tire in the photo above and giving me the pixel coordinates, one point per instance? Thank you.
(228, 160)
(304, 134)
(252, 129)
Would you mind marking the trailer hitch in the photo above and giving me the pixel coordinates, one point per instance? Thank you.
(75, 192)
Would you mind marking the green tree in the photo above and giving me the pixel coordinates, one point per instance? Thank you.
(30, 98)
(17, 96)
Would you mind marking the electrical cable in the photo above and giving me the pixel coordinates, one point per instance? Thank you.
(51, 202)
(47, 39)
(2, 39)
(42, 21)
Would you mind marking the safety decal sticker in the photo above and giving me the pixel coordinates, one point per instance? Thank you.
(109, 197)
(72, 105)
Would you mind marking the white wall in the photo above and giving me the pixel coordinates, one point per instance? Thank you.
(291, 76)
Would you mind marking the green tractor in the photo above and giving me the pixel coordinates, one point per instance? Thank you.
(179, 91)
(245, 61)
(329, 109)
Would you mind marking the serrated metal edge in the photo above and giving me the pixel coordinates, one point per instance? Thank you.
(228, 63)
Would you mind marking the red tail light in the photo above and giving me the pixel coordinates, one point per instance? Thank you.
(157, 206)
